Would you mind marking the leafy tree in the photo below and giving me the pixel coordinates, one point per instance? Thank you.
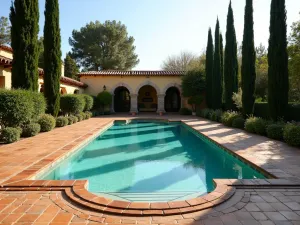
(193, 83)
(195, 100)
(294, 62)
(71, 69)
(209, 67)
(105, 99)
(104, 46)
(52, 56)
(4, 31)
(261, 82)
(231, 62)
(24, 17)
(248, 62)
(217, 83)
(278, 76)
(184, 61)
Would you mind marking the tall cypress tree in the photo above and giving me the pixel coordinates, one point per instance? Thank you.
(24, 17)
(248, 62)
(278, 83)
(231, 62)
(217, 76)
(209, 69)
(222, 63)
(52, 56)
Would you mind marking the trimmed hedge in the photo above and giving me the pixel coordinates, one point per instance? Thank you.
(73, 118)
(10, 135)
(31, 130)
(39, 105)
(72, 104)
(260, 126)
(89, 102)
(291, 134)
(62, 121)
(262, 110)
(88, 114)
(275, 131)
(238, 122)
(16, 108)
(79, 117)
(47, 122)
(185, 111)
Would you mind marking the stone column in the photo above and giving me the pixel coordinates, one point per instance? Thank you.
(133, 103)
(112, 107)
(161, 103)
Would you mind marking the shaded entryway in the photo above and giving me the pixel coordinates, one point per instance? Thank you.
(122, 100)
(172, 100)
(147, 99)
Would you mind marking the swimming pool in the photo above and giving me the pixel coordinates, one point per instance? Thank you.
(151, 161)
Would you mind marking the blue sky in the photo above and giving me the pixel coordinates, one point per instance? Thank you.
(163, 27)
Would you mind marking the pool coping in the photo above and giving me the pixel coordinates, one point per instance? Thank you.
(75, 190)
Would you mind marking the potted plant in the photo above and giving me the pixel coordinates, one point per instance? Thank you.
(194, 101)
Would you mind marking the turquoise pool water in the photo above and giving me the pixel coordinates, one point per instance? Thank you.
(147, 160)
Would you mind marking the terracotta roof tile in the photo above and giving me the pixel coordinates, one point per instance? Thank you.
(6, 48)
(132, 73)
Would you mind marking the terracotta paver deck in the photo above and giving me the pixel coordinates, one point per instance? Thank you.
(24, 201)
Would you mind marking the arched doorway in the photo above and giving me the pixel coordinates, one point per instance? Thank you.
(147, 99)
(122, 100)
(172, 100)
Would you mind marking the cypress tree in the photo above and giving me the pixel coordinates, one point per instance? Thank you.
(217, 77)
(24, 17)
(209, 69)
(278, 83)
(248, 62)
(52, 57)
(222, 63)
(231, 62)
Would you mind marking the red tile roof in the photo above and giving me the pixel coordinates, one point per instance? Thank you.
(132, 73)
(6, 48)
(5, 61)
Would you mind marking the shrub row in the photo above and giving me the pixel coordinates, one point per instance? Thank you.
(76, 104)
(290, 132)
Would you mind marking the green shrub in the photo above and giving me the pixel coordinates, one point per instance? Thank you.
(10, 135)
(79, 117)
(185, 111)
(47, 122)
(291, 134)
(88, 114)
(238, 122)
(39, 104)
(89, 102)
(228, 117)
(83, 115)
(72, 104)
(250, 124)
(62, 121)
(275, 131)
(70, 120)
(260, 126)
(30, 130)
(16, 108)
(74, 118)
(104, 98)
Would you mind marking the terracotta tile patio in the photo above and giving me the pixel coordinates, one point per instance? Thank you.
(25, 201)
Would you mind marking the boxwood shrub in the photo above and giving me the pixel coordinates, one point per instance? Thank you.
(88, 114)
(10, 135)
(79, 117)
(16, 108)
(39, 105)
(30, 130)
(185, 111)
(291, 134)
(74, 119)
(62, 121)
(47, 122)
(260, 126)
(250, 124)
(228, 117)
(89, 102)
(238, 122)
(275, 131)
(72, 104)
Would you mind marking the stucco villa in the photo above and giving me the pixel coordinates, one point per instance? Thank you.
(138, 91)
(67, 85)
(132, 91)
